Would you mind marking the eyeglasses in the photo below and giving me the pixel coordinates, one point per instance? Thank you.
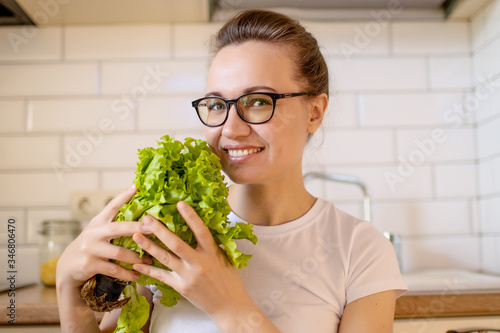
(254, 108)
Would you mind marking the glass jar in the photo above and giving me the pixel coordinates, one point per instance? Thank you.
(55, 236)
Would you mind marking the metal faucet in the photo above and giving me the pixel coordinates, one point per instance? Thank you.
(367, 212)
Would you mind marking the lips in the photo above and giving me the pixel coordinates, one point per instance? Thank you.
(242, 152)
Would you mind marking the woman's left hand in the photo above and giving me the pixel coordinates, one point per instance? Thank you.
(203, 275)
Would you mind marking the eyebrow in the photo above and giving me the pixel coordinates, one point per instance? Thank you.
(246, 91)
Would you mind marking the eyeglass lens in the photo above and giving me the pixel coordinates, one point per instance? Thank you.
(253, 108)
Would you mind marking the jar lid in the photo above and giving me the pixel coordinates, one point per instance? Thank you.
(67, 226)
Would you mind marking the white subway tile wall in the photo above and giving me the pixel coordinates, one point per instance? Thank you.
(77, 114)
(117, 42)
(192, 41)
(489, 176)
(450, 72)
(485, 61)
(12, 116)
(486, 103)
(414, 112)
(138, 80)
(375, 74)
(386, 183)
(490, 210)
(351, 39)
(342, 146)
(30, 44)
(455, 180)
(36, 216)
(341, 111)
(488, 138)
(29, 152)
(162, 113)
(439, 144)
(98, 149)
(59, 79)
(407, 109)
(45, 188)
(438, 218)
(490, 246)
(118, 180)
(460, 252)
(429, 38)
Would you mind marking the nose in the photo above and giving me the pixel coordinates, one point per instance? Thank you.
(235, 126)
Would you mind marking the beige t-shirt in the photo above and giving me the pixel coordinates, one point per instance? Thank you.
(302, 274)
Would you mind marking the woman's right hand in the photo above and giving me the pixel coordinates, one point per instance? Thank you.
(90, 252)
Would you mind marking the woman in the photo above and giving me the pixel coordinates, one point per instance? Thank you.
(314, 267)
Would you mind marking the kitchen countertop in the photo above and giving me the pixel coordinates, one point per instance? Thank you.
(434, 293)
(35, 304)
(449, 293)
(450, 281)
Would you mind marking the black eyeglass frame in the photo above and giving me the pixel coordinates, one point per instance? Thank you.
(229, 102)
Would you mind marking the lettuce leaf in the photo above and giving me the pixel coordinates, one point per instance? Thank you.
(176, 171)
(135, 313)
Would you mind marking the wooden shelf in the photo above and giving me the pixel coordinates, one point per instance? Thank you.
(448, 305)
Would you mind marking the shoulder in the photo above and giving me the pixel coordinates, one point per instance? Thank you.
(360, 242)
(354, 238)
(343, 222)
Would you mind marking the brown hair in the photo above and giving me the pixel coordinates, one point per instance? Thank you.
(268, 26)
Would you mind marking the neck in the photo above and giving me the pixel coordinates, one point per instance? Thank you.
(274, 203)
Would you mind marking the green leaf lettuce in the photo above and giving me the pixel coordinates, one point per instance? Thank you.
(176, 171)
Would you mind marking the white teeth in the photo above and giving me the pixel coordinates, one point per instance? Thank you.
(243, 152)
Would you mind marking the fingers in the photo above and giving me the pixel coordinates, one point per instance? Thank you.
(178, 252)
(161, 254)
(196, 224)
(178, 248)
(122, 229)
(119, 253)
(109, 212)
(157, 273)
(115, 271)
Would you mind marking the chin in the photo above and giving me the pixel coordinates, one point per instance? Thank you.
(240, 180)
(240, 177)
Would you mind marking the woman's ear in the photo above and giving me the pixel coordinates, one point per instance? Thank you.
(317, 112)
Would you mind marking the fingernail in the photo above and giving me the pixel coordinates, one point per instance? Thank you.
(138, 238)
(181, 206)
(137, 276)
(132, 188)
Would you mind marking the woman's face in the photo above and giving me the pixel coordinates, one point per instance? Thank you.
(258, 153)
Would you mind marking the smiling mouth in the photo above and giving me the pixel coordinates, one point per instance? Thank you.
(242, 152)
